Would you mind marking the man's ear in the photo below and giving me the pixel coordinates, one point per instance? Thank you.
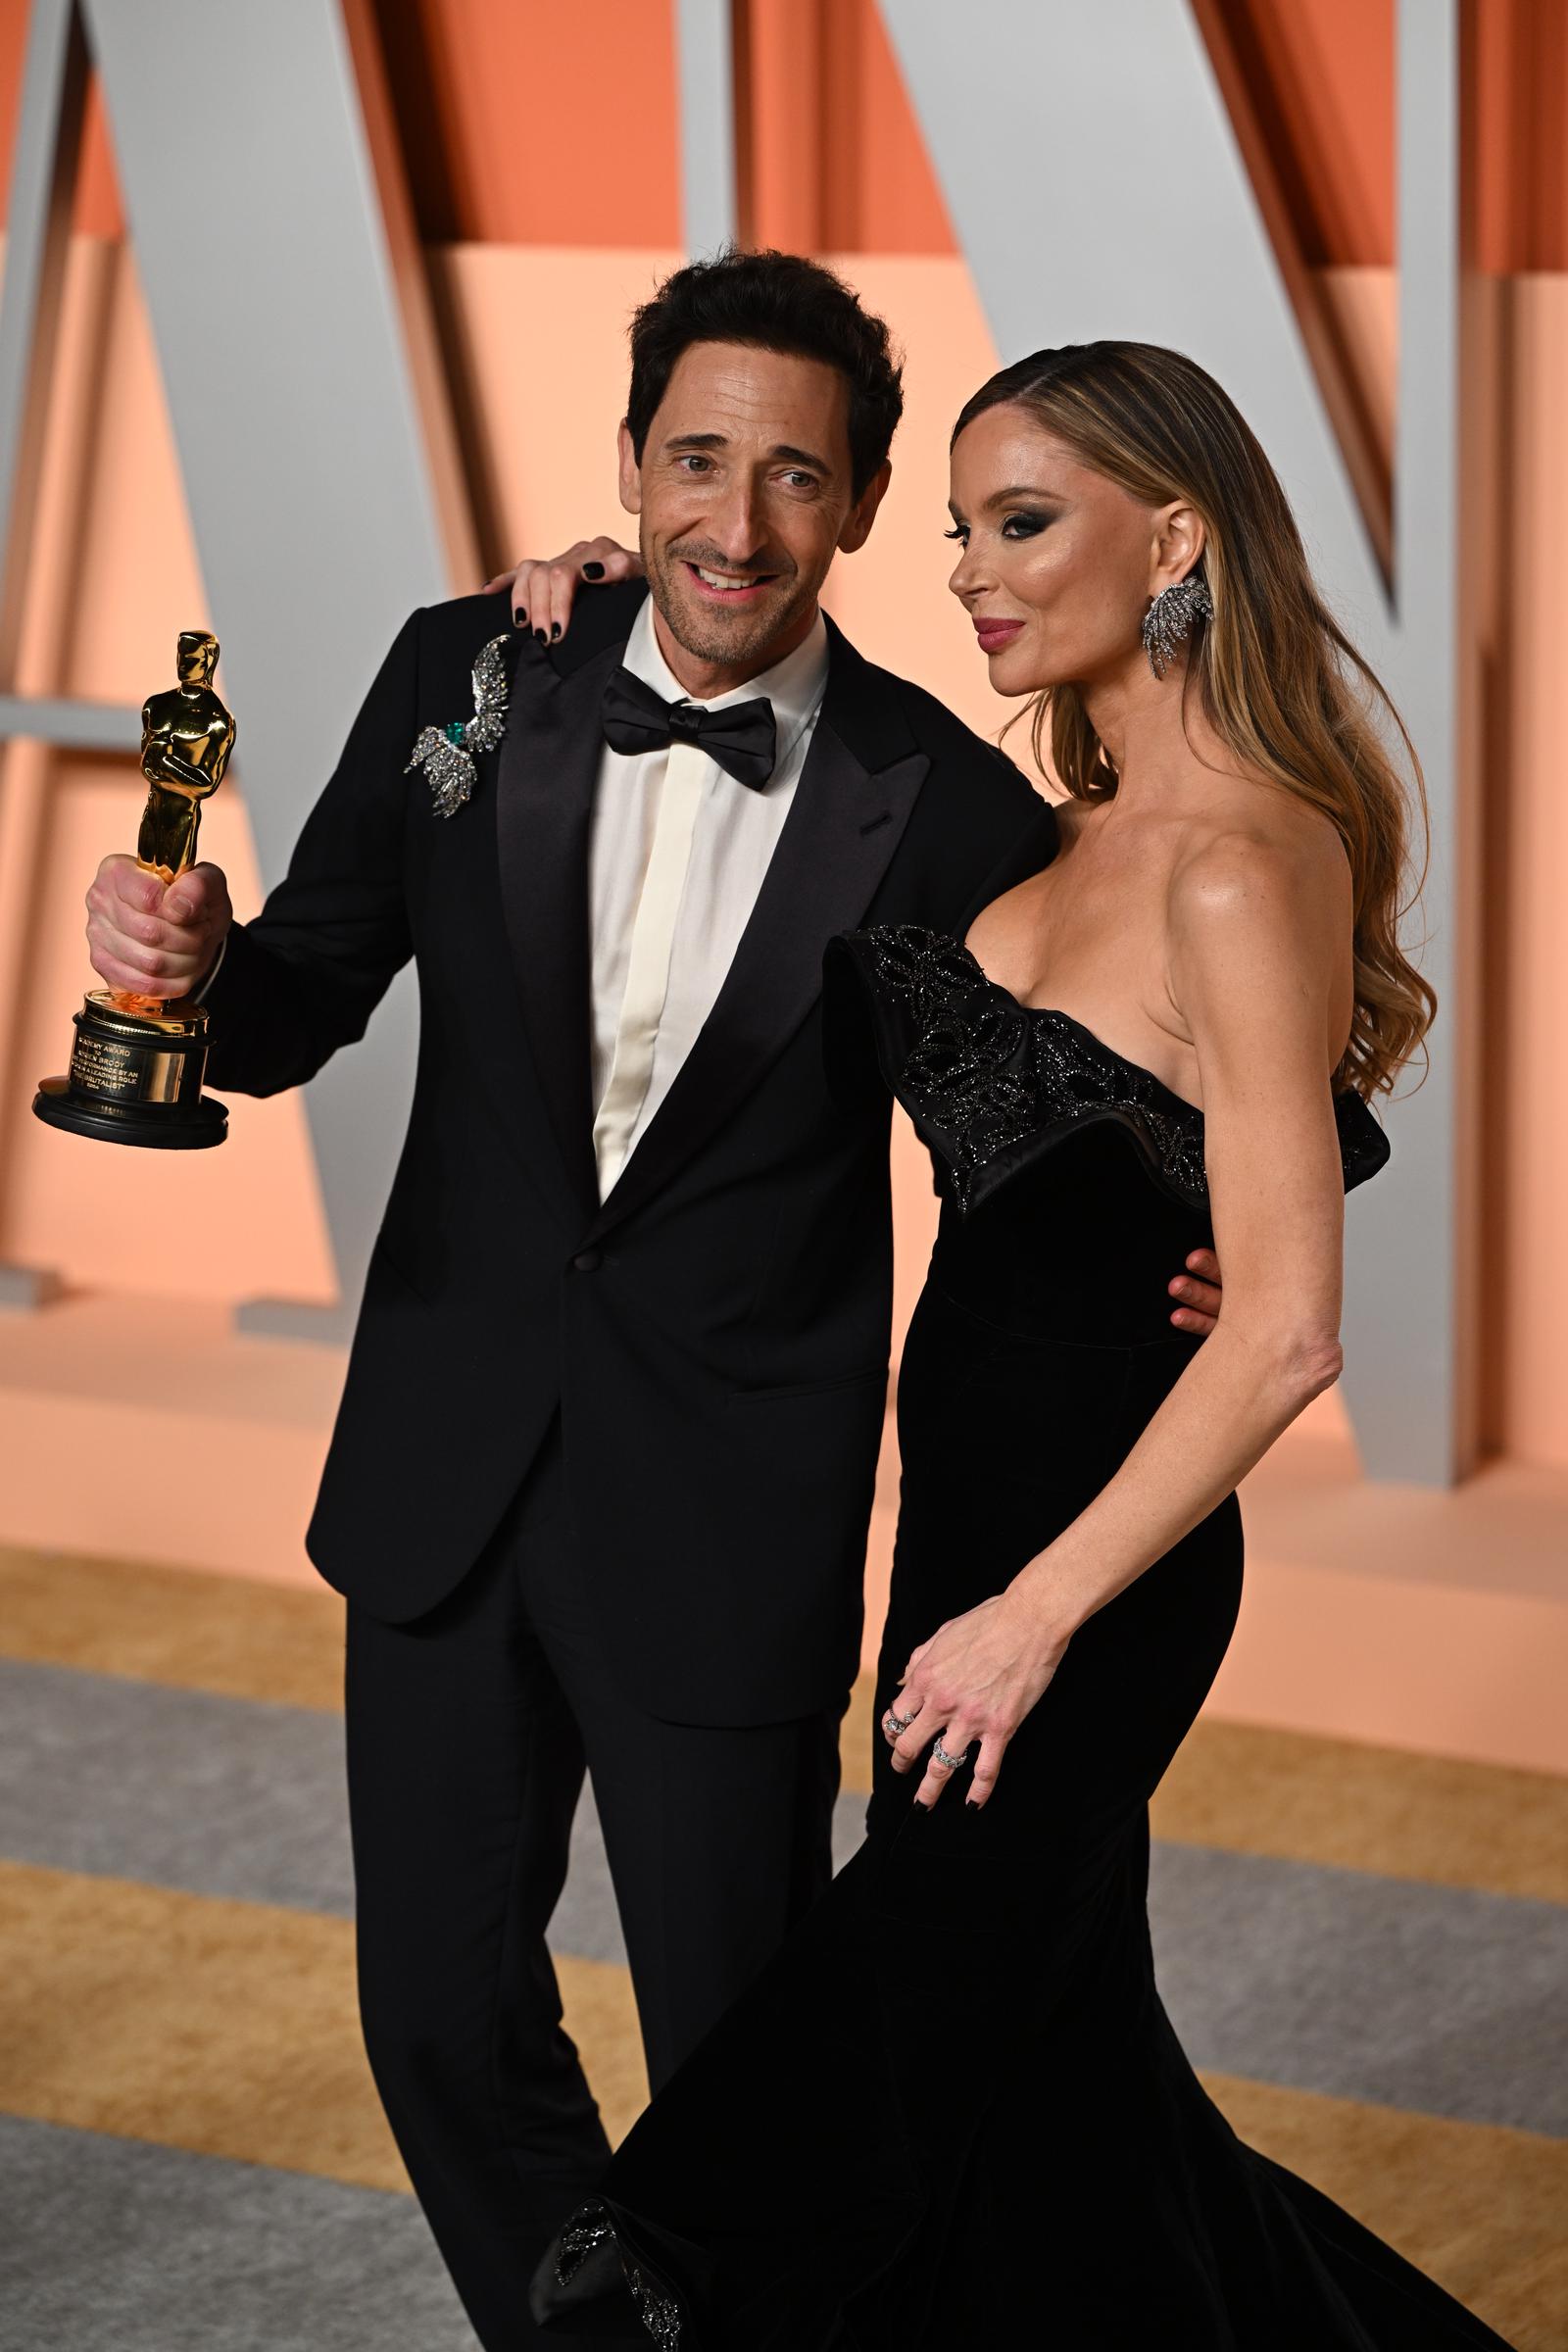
(631, 474)
(861, 517)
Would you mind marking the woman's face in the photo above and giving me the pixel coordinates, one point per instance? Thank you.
(1059, 562)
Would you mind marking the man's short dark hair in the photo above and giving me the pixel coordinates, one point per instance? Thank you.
(775, 302)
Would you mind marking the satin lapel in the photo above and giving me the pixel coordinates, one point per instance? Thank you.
(843, 827)
(543, 808)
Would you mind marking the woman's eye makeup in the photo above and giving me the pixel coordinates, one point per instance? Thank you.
(1024, 524)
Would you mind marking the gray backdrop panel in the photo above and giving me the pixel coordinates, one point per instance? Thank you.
(1097, 189)
(258, 234)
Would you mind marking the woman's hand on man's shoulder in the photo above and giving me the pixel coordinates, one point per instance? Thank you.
(543, 588)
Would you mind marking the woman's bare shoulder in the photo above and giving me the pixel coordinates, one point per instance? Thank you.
(1258, 836)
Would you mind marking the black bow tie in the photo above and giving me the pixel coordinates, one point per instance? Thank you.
(743, 738)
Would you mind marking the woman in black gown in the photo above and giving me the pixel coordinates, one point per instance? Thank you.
(952, 2113)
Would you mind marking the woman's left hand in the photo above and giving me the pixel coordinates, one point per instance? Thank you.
(975, 1680)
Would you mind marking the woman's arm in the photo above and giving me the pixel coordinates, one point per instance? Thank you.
(1258, 937)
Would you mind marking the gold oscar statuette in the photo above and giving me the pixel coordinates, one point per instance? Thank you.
(135, 1074)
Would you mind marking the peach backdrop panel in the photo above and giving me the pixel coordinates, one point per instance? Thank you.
(1526, 1027)
(526, 121)
(539, 337)
(115, 578)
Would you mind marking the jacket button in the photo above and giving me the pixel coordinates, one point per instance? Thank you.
(588, 1261)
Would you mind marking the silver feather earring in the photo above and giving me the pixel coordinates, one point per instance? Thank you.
(1169, 621)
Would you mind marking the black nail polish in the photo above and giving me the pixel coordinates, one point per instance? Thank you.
(543, 639)
(922, 1803)
(970, 1805)
(593, 571)
(520, 619)
(555, 632)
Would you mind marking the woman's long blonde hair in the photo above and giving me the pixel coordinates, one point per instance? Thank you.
(1282, 685)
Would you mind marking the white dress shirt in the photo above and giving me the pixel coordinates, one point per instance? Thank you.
(677, 856)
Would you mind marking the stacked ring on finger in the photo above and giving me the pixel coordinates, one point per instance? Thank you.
(896, 1725)
(953, 1763)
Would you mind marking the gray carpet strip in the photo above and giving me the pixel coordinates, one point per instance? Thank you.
(223, 1796)
(176, 1787)
(118, 2245)
(1433, 1998)
(1437, 1998)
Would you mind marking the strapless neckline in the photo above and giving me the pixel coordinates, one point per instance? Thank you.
(993, 1083)
(1054, 1012)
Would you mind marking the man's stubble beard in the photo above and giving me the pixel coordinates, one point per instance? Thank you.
(708, 636)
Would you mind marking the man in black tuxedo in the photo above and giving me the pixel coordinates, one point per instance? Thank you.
(600, 1483)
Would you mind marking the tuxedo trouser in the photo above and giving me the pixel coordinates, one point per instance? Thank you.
(469, 1733)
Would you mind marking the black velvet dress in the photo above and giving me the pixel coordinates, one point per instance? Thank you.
(953, 2114)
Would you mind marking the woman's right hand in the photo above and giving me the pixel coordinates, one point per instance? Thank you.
(544, 589)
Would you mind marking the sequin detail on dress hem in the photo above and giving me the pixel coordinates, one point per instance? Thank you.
(982, 1073)
(590, 2228)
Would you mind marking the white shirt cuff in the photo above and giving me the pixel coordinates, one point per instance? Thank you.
(197, 993)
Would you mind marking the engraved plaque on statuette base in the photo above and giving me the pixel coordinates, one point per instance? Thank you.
(136, 1078)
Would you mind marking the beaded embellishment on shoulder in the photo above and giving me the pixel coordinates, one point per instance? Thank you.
(982, 1074)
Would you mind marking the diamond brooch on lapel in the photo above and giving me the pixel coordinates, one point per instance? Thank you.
(447, 754)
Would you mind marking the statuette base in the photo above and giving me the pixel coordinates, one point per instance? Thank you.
(136, 1078)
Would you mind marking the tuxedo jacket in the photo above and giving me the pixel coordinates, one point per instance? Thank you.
(715, 1332)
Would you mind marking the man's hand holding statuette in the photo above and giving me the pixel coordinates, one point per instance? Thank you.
(152, 937)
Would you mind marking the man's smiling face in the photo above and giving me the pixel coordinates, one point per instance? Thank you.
(742, 497)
